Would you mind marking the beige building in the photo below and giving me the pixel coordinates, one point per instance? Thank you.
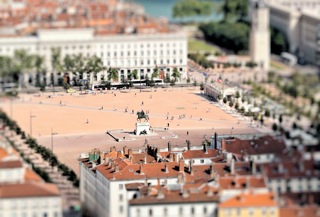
(260, 34)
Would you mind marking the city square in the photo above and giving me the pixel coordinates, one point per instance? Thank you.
(63, 115)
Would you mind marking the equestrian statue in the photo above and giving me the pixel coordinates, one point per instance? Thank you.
(142, 115)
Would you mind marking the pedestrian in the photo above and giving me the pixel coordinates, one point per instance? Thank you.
(142, 103)
(87, 122)
(168, 124)
(187, 133)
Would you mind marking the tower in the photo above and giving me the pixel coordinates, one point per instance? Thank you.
(260, 34)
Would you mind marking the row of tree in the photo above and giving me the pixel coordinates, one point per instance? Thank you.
(189, 8)
(46, 153)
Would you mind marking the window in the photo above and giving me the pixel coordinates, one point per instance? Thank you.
(138, 212)
(180, 210)
(204, 210)
(150, 212)
(202, 161)
(120, 186)
(181, 69)
(121, 209)
(45, 214)
(251, 212)
(165, 212)
(120, 197)
(238, 211)
(192, 210)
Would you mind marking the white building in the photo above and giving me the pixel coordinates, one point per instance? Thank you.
(260, 34)
(126, 52)
(299, 20)
(22, 192)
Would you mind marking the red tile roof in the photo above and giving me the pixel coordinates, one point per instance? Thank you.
(29, 189)
(250, 200)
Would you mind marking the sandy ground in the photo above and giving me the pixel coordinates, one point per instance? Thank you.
(66, 115)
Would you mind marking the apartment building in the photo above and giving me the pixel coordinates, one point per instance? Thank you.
(22, 192)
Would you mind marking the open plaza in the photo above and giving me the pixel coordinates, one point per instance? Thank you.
(75, 123)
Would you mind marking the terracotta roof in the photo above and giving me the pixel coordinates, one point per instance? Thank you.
(30, 189)
(241, 182)
(298, 211)
(211, 153)
(10, 164)
(166, 196)
(3, 153)
(262, 145)
(291, 169)
(30, 175)
(250, 200)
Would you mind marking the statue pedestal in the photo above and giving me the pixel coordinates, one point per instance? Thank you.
(142, 128)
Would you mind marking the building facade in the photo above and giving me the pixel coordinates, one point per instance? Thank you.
(125, 52)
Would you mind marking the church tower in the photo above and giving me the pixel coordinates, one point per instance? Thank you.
(260, 34)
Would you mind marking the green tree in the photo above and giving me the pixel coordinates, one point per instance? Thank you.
(234, 10)
(188, 8)
(267, 113)
(94, 65)
(230, 103)
(233, 36)
(155, 73)
(225, 100)
(175, 74)
(135, 74)
(113, 74)
(280, 119)
(274, 127)
(188, 80)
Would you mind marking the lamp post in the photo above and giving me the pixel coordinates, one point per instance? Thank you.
(31, 116)
(231, 132)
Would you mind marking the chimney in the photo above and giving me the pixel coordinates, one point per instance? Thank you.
(247, 182)
(169, 146)
(175, 157)
(160, 194)
(145, 158)
(125, 150)
(223, 144)
(232, 166)
(185, 193)
(129, 152)
(188, 145)
(116, 168)
(280, 168)
(215, 140)
(190, 167)
(119, 154)
(205, 149)
(301, 166)
(141, 170)
(166, 169)
(181, 178)
(181, 165)
(253, 167)
(209, 192)
(171, 157)
(110, 163)
(113, 148)
(212, 173)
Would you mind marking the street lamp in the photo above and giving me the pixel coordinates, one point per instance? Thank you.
(231, 132)
(31, 116)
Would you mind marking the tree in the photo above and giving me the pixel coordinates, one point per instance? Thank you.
(225, 100)
(94, 65)
(55, 62)
(267, 113)
(233, 36)
(175, 74)
(188, 8)
(234, 10)
(188, 80)
(236, 106)
(230, 103)
(261, 120)
(294, 125)
(155, 73)
(274, 127)
(280, 119)
(38, 64)
(201, 86)
(195, 83)
(237, 94)
(112, 74)
(135, 74)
